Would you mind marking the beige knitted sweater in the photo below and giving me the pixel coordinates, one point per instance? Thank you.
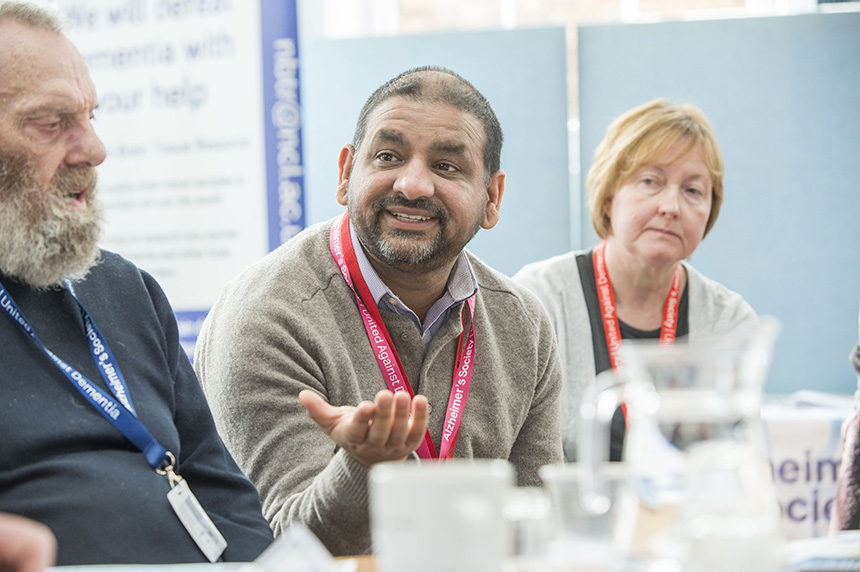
(290, 322)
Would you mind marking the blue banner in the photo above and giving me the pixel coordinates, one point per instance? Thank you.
(283, 120)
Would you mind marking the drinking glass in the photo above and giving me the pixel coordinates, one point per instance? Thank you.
(585, 531)
(427, 517)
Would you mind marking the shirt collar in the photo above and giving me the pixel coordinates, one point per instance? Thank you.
(462, 284)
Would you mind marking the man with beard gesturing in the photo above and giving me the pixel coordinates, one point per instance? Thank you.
(310, 358)
(101, 415)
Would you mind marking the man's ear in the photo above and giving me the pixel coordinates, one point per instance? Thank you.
(344, 169)
(495, 190)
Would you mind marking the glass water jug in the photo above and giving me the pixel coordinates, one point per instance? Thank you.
(699, 490)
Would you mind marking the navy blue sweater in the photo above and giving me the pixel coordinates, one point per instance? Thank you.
(63, 464)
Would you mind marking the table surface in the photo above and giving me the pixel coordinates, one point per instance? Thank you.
(365, 563)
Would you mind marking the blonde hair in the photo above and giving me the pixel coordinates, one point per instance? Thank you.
(638, 137)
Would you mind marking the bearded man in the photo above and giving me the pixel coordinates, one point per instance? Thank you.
(101, 414)
(354, 316)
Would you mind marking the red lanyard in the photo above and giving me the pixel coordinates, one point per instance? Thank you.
(386, 355)
(606, 298)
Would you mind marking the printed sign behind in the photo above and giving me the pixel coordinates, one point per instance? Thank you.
(196, 100)
(804, 447)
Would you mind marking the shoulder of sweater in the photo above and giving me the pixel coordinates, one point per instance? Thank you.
(112, 261)
(561, 264)
(555, 281)
(497, 288)
(116, 281)
(112, 270)
(304, 261)
(713, 303)
(489, 277)
(709, 290)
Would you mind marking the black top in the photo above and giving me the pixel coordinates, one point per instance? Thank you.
(602, 361)
(63, 464)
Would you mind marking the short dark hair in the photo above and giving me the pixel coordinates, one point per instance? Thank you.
(438, 84)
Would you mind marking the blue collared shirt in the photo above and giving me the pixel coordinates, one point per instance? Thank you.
(462, 284)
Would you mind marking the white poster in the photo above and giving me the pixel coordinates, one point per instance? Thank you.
(183, 117)
(803, 439)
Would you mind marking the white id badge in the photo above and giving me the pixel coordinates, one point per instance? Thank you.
(196, 521)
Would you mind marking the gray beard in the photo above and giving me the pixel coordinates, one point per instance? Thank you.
(400, 250)
(42, 242)
(399, 253)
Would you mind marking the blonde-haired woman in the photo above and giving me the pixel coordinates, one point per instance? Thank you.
(655, 189)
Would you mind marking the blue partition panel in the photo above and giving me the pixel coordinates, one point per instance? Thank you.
(521, 72)
(782, 96)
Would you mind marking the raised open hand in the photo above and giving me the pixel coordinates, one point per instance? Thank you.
(384, 430)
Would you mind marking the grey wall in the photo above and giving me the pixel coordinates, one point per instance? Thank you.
(781, 94)
(521, 72)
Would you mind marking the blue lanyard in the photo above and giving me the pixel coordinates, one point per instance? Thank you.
(121, 415)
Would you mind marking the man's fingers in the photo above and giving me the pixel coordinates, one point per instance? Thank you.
(344, 424)
(319, 410)
(400, 421)
(380, 429)
(372, 432)
(26, 545)
(418, 422)
(355, 430)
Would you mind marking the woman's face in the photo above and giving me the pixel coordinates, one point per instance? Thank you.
(660, 212)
